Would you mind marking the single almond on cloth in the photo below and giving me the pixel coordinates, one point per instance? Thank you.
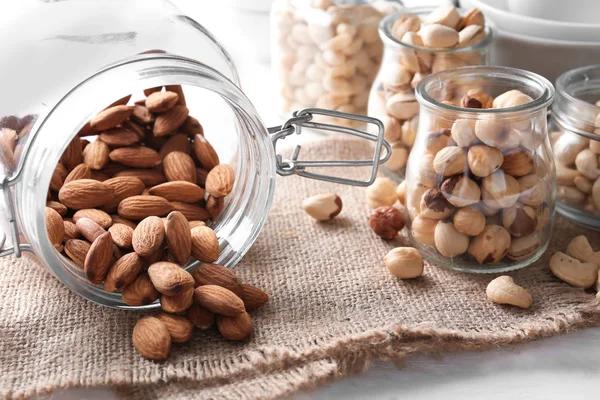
(142, 115)
(81, 171)
(98, 216)
(159, 102)
(205, 244)
(77, 250)
(205, 153)
(200, 317)
(58, 207)
(178, 142)
(220, 180)
(170, 279)
(119, 137)
(110, 118)
(58, 177)
(140, 292)
(151, 338)
(191, 211)
(124, 187)
(89, 229)
(235, 328)
(99, 258)
(150, 177)
(219, 300)
(180, 328)
(213, 274)
(178, 166)
(136, 156)
(122, 235)
(253, 297)
(54, 227)
(168, 122)
(85, 193)
(140, 207)
(179, 237)
(71, 230)
(123, 272)
(182, 191)
(178, 303)
(73, 154)
(95, 155)
(148, 236)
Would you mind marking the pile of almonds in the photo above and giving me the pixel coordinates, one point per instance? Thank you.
(105, 202)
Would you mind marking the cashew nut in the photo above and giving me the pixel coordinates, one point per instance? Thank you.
(503, 290)
(573, 271)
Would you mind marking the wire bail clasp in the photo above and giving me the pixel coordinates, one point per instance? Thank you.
(304, 118)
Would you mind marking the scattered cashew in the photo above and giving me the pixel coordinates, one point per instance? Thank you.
(503, 290)
(573, 271)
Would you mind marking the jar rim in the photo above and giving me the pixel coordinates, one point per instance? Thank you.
(386, 24)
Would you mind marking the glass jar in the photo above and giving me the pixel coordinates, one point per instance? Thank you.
(480, 183)
(575, 126)
(325, 53)
(89, 66)
(405, 63)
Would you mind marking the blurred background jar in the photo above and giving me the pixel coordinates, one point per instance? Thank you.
(576, 142)
(417, 42)
(480, 182)
(326, 53)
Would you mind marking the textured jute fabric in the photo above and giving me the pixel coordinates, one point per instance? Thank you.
(334, 308)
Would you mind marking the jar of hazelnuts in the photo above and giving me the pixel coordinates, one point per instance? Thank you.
(418, 42)
(575, 137)
(480, 180)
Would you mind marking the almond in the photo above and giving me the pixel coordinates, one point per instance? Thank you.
(159, 102)
(205, 153)
(58, 177)
(170, 279)
(98, 216)
(201, 175)
(148, 236)
(86, 130)
(200, 317)
(124, 187)
(71, 231)
(122, 235)
(95, 155)
(191, 211)
(77, 250)
(151, 338)
(205, 245)
(120, 220)
(85, 193)
(121, 102)
(168, 122)
(149, 91)
(123, 272)
(192, 126)
(235, 328)
(54, 227)
(213, 274)
(179, 237)
(110, 117)
(214, 206)
(58, 207)
(182, 191)
(142, 115)
(194, 224)
(178, 166)
(180, 328)
(141, 131)
(113, 168)
(178, 142)
(140, 207)
(119, 137)
(73, 154)
(8, 143)
(100, 176)
(136, 157)
(150, 177)
(99, 258)
(140, 292)
(89, 229)
(219, 181)
(155, 257)
(254, 297)
(179, 90)
(178, 303)
(81, 171)
(219, 300)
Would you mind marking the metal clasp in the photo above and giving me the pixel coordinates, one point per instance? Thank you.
(303, 118)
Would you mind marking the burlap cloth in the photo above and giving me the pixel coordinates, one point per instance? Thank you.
(334, 308)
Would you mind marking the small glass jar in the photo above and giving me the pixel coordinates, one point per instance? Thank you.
(575, 127)
(405, 63)
(325, 53)
(480, 183)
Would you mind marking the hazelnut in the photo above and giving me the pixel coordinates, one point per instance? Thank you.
(422, 230)
(381, 193)
(542, 214)
(469, 220)
(497, 134)
(404, 262)
(463, 132)
(461, 191)
(500, 190)
(523, 247)
(517, 162)
(450, 161)
(487, 210)
(491, 245)
(519, 220)
(434, 205)
(426, 174)
(484, 160)
(449, 241)
(401, 192)
(512, 98)
(476, 98)
(532, 190)
(437, 140)
(386, 221)
(323, 207)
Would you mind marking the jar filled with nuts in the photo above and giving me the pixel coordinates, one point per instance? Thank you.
(326, 53)
(480, 180)
(575, 137)
(418, 42)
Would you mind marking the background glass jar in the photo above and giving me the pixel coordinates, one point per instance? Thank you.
(405, 63)
(480, 183)
(575, 127)
(325, 53)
